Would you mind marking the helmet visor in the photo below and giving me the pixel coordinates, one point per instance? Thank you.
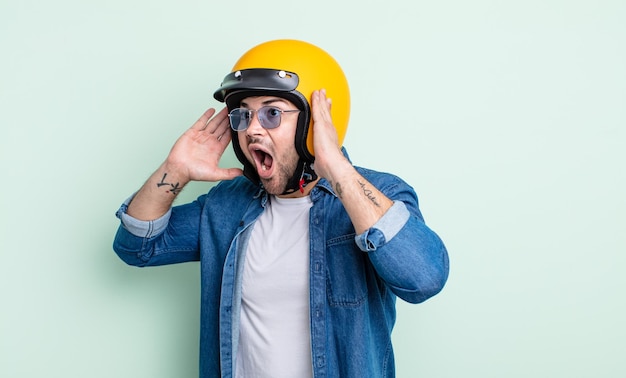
(257, 79)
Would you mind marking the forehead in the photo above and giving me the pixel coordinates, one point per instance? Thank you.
(257, 101)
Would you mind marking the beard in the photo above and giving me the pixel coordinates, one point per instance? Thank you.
(277, 184)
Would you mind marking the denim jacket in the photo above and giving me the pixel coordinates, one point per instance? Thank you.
(354, 279)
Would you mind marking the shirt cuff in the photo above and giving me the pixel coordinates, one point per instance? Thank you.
(385, 229)
(140, 228)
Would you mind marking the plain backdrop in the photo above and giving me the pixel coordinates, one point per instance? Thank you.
(507, 117)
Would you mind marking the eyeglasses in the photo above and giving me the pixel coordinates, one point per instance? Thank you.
(269, 117)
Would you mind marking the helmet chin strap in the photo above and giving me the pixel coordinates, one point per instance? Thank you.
(303, 175)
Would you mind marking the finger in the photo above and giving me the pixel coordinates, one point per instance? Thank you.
(321, 105)
(327, 105)
(201, 123)
(218, 121)
(228, 173)
(222, 131)
(315, 104)
(224, 137)
(222, 123)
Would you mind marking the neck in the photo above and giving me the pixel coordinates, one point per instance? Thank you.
(306, 190)
(299, 183)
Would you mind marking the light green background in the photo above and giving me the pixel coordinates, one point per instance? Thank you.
(508, 118)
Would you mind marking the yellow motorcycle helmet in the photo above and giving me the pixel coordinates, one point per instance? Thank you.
(289, 69)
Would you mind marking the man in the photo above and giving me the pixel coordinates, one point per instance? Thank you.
(302, 254)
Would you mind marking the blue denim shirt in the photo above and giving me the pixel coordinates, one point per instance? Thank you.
(354, 279)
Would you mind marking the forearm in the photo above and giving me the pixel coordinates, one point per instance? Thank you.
(157, 194)
(364, 203)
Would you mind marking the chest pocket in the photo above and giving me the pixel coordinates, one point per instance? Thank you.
(346, 272)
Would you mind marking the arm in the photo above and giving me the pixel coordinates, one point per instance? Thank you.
(194, 156)
(364, 203)
(407, 255)
(151, 233)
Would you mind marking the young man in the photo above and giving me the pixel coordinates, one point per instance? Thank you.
(302, 254)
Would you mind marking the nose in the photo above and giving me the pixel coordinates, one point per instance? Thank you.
(254, 127)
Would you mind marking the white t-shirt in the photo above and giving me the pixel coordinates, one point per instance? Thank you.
(275, 337)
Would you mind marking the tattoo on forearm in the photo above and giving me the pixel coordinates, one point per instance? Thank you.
(368, 193)
(339, 190)
(174, 188)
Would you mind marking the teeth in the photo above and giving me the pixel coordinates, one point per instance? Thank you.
(264, 167)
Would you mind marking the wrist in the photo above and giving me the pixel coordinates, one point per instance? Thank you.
(170, 176)
(339, 171)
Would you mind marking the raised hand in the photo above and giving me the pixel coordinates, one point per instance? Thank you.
(196, 154)
(328, 154)
(364, 203)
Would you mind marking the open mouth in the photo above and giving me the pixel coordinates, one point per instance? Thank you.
(264, 162)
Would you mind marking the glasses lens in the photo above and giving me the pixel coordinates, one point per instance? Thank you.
(239, 119)
(269, 117)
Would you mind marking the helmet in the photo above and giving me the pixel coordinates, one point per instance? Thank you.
(292, 70)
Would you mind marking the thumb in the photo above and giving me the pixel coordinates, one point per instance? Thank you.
(228, 173)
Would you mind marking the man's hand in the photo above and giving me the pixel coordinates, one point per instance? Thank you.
(328, 157)
(364, 203)
(196, 154)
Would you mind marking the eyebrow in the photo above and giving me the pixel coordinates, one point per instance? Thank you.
(267, 102)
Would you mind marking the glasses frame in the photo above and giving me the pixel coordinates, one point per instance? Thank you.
(262, 119)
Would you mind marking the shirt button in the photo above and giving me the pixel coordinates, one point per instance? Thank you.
(320, 361)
